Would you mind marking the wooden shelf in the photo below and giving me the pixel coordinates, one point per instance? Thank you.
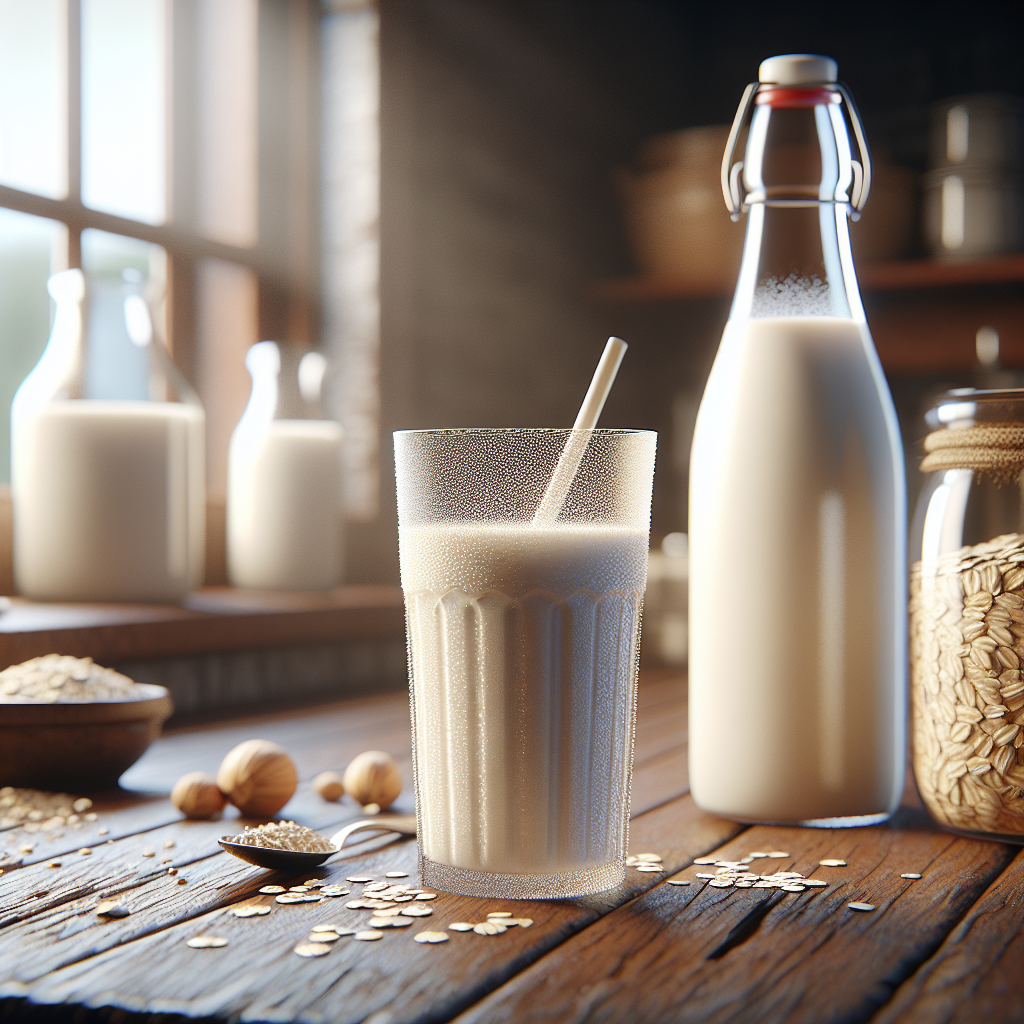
(909, 275)
(214, 620)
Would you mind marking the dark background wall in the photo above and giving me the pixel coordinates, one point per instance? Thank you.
(502, 122)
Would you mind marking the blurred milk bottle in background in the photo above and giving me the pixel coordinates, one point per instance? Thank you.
(107, 453)
(284, 515)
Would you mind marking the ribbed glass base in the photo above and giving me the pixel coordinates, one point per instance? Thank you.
(556, 886)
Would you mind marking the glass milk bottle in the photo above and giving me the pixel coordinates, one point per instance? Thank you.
(107, 455)
(284, 516)
(797, 493)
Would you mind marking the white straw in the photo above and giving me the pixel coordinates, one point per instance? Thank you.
(590, 412)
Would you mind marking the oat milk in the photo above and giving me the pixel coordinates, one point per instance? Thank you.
(108, 500)
(797, 567)
(284, 516)
(524, 643)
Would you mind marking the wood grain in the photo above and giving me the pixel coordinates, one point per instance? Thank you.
(977, 974)
(950, 946)
(257, 976)
(649, 961)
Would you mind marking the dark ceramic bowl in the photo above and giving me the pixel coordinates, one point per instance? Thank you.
(78, 747)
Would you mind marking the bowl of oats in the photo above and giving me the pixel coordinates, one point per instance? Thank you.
(68, 722)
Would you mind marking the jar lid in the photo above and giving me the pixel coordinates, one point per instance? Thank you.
(981, 431)
(955, 407)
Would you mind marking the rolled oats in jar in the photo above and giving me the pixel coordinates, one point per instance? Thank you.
(967, 615)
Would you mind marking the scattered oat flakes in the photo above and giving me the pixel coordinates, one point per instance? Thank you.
(250, 911)
(489, 928)
(861, 906)
(832, 862)
(500, 913)
(111, 908)
(206, 942)
(431, 937)
(524, 922)
(910, 874)
(299, 888)
(793, 887)
(390, 922)
(461, 926)
(396, 874)
(85, 851)
(649, 867)
(270, 889)
(313, 949)
(426, 896)
(324, 937)
(777, 854)
(416, 911)
(359, 878)
(704, 860)
(678, 881)
(368, 936)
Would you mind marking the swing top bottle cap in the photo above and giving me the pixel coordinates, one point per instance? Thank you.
(796, 69)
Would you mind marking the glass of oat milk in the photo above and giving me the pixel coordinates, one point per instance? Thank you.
(523, 639)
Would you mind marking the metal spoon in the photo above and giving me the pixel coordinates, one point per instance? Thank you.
(289, 860)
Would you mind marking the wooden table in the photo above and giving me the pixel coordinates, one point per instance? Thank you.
(948, 947)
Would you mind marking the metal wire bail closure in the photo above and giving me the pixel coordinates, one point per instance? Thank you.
(732, 173)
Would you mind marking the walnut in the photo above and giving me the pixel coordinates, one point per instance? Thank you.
(258, 777)
(196, 795)
(373, 778)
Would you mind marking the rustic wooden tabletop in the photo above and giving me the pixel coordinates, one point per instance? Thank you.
(947, 947)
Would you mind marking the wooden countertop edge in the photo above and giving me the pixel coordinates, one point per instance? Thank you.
(216, 620)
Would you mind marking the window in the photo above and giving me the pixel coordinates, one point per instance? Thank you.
(180, 138)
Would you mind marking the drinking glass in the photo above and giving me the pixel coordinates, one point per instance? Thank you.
(523, 643)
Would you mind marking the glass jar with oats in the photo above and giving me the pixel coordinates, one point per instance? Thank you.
(967, 615)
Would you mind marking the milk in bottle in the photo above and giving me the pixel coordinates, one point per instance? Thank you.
(284, 511)
(797, 494)
(107, 456)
